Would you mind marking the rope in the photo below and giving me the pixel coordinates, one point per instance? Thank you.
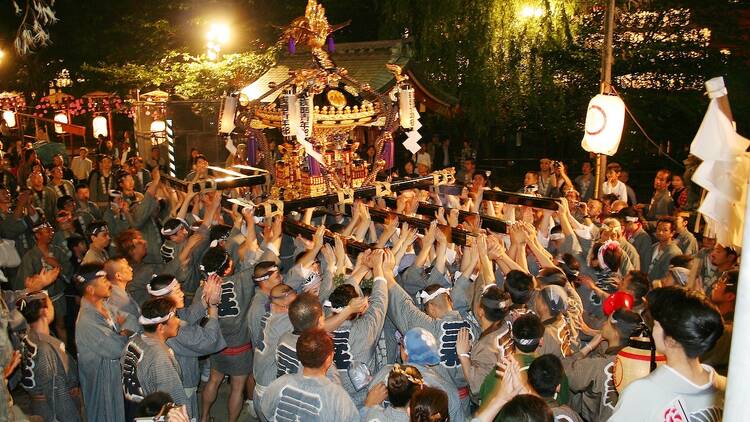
(643, 131)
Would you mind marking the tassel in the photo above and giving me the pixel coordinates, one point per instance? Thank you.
(331, 45)
(388, 152)
(252, 150)
(292, 45)
(314, 166)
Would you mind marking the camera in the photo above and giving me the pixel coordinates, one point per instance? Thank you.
(557, 164)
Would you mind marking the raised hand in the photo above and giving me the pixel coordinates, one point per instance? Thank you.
(440, 216)
(212, 289)
(378, 394)
(463, 342)
(318, 237)
(453, 217)
(329, 257)
(357, 305)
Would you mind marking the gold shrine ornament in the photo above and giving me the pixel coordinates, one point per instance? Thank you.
(336, 98)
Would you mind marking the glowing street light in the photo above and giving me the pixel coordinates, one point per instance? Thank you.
(217, 35)
(528, 12)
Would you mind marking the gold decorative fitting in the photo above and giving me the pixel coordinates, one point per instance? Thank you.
(273, 207)
(336, 98)
(346, 196)
(382, 189)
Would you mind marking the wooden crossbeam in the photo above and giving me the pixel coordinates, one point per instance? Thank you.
(208, 185)
(453, 234)
(511, 198)
(484, 221)
(294, 228)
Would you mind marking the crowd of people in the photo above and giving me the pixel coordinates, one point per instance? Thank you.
(126, 298)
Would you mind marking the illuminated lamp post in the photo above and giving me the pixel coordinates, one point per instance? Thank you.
(10, 118)
(61, 118)
(100, 126)
(602, 107)
(158, 131)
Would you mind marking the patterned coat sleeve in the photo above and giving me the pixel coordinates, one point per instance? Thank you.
(53, 383)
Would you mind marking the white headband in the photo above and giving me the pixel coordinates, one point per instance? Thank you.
(168, 232)
(632, 219)
(526, 341)
(680, 274)
(163, 291)
(423, 297)
(157, 320)
(556, 236)
(600, 255)
(328, 304)
(267, 275)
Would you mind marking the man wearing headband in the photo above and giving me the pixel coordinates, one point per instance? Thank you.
(663, 250)
(306, 275)
(266, 276)
(419, 349)
(274, 323)
(182, 249)
(148, 365)
(99, 240)
(45, 255)
(551, 304)
(528, 331)
(355, 341)
(637, 236)
(612, 230)
(477, 360)
(46, 364)
(119, 274)
(100, 340)
(236, 360)
(195, 339)
(175, 232)
(591, 371)
(440, 319)
(685, 240)
(309, 394)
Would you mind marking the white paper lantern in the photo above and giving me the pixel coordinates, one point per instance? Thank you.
(158, 126)
(62, 118)
(10, 118)
(100, 127)
(604, 121)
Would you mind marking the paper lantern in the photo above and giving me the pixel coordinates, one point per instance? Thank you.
(10, 118)
(158, 126)
(100, 127)
(634, 362)
(604, 121)
(62, 118)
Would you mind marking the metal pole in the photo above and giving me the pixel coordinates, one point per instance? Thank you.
(606, 81)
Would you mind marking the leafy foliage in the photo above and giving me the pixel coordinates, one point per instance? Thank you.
(524, 70)
(185, 75)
